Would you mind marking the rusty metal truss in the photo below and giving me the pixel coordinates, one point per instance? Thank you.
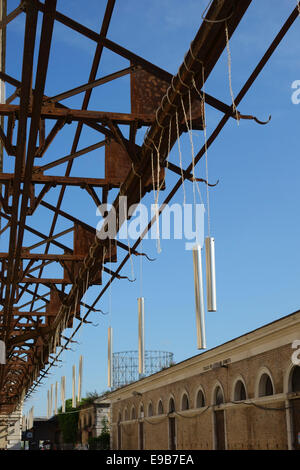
(34, 337)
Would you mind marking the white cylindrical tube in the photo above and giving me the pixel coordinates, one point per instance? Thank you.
(55, 399)
(48, 404)
(141, 318)
(51, 400)
(109, 357)
(63, 394)
(74, 387)
(210, 274)
(79, 380)
(199, 297)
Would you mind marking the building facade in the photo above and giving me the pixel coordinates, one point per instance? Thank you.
(11, 430)
(244, 394)
(91, 419)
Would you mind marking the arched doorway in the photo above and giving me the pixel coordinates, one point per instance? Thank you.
(141, 428)
(172, 426)
(219, 420)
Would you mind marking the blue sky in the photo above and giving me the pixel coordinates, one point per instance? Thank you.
(254, 209)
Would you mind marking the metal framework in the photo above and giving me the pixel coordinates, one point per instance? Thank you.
(126, 365)
(33, 334)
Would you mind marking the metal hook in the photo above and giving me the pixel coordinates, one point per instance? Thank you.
(201, 180)
(253, 118)
(125, 277)
(144, 254)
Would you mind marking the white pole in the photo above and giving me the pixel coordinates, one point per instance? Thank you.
(51, 400)
(79, 380)
(48, 404)
(210, 274)
(109, 356)
(74, 387)
(63, 393)
(141, 327)
(199, 297)
(55, 399)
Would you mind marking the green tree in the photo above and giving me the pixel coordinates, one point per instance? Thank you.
(68, 423)
(101, 442)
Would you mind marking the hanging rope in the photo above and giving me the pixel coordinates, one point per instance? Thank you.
(205, 144)
(229, 73)
(180, 156)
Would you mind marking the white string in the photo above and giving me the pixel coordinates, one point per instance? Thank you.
(155, 207)
(190, 132)
(156, 193)
(180, 157)
(229, 73)
(205, 144)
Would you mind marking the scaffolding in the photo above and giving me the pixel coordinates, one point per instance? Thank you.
(126, 365)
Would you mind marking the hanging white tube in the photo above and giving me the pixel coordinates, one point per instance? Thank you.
(55, 399)
(210, 274)
(109, 357)
(199, 297)
(141, 318)
(79, 380)
(63, 393)
(51, 400)
(48, 404)
(74, 387)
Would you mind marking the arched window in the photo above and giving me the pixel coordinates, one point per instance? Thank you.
(239, 391)
(141, 411)
(160, 408)
(185, 402)
(200, 401)
(126, 415)
(219, 398)
(265, 386)
(119, 417)
(150, 410)
(133, 415)
(295, 380)
(171, 405)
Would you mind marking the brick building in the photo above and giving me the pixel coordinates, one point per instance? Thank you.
(91, 419)
(243, 394)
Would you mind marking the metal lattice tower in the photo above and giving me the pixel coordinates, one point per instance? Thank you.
(126, 365)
